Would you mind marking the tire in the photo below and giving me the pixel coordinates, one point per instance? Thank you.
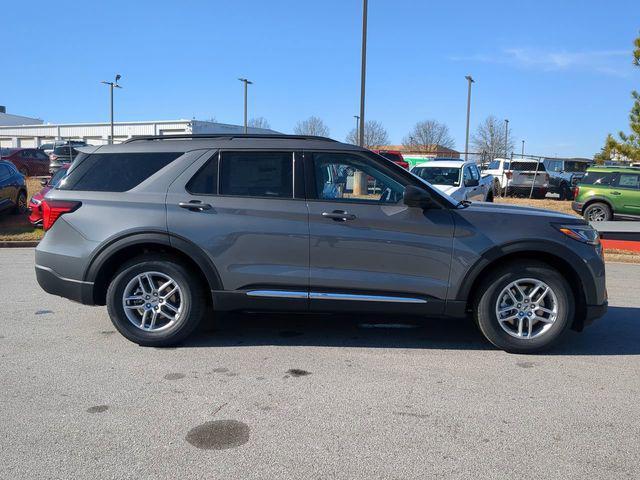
(597, 212)
(489, 196)
(544, 333)
(21, 203)
(190, 297)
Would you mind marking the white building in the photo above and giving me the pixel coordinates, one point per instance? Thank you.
(36, 134)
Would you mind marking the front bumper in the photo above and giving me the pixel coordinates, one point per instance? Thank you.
(76, 290)
(594, 312)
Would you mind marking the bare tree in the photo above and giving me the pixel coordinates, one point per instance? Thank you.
(375, 135)
(312, 126)
(428, 136)
(489, 139)
(259, 122)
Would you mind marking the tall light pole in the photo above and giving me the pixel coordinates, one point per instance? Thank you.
(523, 148)
(112, 85)
(506, 137)
(357, 117)
(246, 82)
(466, 143)
(363, 71)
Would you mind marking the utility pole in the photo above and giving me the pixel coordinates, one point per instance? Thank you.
(466, 144)
(506, 137)
(523, 148)
(111, 87)
(363, 72)
(246, 82)
(357, 117)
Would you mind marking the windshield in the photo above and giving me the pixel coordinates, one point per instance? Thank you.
(575, 166)
(439, 175)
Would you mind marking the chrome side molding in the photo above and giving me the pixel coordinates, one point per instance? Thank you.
(333, 296)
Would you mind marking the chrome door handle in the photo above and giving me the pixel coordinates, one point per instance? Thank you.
(339, 215)
(195, 206)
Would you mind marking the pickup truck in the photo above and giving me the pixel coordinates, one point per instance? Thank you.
(516, 177)
(459, 179)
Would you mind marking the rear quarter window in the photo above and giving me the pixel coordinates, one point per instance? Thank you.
(597, 178)
(115, 172)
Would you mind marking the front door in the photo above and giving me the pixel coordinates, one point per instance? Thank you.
(626, 194)
(241, 208)
(368, 250)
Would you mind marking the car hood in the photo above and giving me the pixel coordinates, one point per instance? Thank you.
(448, 189)
(501, 208)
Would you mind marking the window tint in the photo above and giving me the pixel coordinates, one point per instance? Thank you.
(597, 178)
(628, 180)
(205, 182)
(528, 166)
(439, 175)
(475, 174)
(349, 178)
(115, 172)
(257, 174)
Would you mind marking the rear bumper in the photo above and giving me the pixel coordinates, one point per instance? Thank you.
(76, 290)
(577, 207)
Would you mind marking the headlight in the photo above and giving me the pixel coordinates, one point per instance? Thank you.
(581, 233)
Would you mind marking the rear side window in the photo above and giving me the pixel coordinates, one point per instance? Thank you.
(205, 182)
(597, 178)
(115, 172)
(629, 180)
(257, 174)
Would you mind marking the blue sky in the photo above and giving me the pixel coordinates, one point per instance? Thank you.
(559, 70)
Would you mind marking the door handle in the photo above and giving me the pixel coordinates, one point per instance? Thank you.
(339, 215)
(195, 206)
(615, 193)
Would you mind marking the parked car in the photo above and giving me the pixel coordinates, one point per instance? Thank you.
(517, 177)
(459, 179)
(35, 210)
(48, 148)
(607, 193)
(61, 155)
(28, 161)
(13, 189)
(564, 174)
(163, 231)
(395, 156)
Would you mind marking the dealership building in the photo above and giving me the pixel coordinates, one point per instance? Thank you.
(19, 131)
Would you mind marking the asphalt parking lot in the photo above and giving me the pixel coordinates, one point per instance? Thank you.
(255, 396)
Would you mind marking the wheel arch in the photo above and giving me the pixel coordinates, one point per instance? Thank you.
(105, 263)
(597, 199)
(555, 255)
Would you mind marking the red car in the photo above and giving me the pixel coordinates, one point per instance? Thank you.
(393, 155)
(28, 161)
(35, 208)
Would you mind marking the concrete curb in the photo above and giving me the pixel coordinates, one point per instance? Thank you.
(18, 244)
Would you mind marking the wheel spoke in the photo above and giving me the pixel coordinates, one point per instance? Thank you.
(165, 285)
(170, 307)
(520, 291)
(144, 319)
(508, 319)
(530, 325)
(171, 292)
(520, 325)
(544, 294)
(153, 319)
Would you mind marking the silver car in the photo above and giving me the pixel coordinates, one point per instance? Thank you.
(165, 230)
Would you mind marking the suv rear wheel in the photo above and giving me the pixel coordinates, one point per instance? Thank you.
(524, 307)
(597, 212)
(155, 301)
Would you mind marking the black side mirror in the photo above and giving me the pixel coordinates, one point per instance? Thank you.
(416, 197)
(471, 182)
(44, 182)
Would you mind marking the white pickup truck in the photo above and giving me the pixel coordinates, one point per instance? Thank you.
(517, 177)
(459, 179)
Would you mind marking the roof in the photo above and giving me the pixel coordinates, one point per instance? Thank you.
(612, 169)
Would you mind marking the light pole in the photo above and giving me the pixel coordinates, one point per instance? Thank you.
(363, 72)
(506, 138)
(523, 148)
(246, 82)
(466, 144)
(111, 87)
(357, 117)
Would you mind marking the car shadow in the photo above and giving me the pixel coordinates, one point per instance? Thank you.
(618, 333)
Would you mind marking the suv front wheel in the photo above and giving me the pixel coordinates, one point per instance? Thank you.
(524, 307)
(155, 301)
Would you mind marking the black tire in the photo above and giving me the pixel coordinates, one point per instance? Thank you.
(190, 285)
(489, 197)
(492, 286)
(21, 203)
(597, 212)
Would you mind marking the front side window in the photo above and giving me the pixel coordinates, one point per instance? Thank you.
(475, 174)
(257, 174)
(351, 178)
(495, 165)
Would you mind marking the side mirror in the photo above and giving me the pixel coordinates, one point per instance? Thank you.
(416, 197)
(44, 182)
(471, 182)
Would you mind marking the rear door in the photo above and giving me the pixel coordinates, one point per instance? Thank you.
(369, 251)
(625, 194)
(246, 210)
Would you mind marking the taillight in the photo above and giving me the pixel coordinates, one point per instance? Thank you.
(576, 191)
(509, 175)
(53, 209)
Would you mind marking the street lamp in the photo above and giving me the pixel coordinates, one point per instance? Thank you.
(522, 148)
(112, 85)
(466, 144)
(357, 117)
(246, 82)
(363, 72)
(506, 138)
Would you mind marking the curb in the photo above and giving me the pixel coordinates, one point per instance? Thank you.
(18, 244)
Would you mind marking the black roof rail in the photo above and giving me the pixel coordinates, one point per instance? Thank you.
(229, 136)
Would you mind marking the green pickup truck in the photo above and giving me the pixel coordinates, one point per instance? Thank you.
(605, 193)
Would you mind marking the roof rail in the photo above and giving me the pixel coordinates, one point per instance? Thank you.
(228, 136)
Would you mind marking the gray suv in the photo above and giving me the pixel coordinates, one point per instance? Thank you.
(166, 230)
